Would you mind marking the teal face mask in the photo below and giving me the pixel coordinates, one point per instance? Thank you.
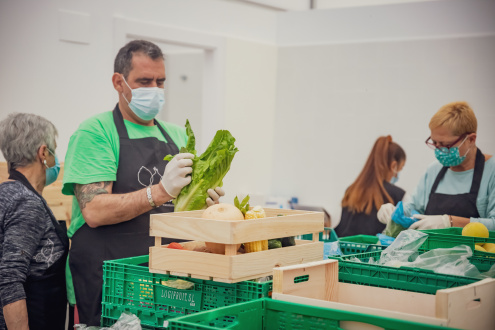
(395, 178)
(52, 172)
(450, 157)
(146, 102)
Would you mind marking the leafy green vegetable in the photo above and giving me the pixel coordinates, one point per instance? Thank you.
(209, 169)
(242, 206)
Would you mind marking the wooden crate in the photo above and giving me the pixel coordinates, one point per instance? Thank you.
(232, 267)
(467, 307)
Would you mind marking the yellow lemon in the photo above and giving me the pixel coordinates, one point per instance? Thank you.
(489, 247)
(479, 248)
(475, 229)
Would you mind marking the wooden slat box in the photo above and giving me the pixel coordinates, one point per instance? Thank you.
(233, 267)
(316, 283)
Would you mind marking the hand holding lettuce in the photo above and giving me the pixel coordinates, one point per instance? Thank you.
(209, 169)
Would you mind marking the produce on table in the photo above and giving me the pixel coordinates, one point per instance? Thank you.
(274, 244)
(476, 229)
(489, 247)
(221, 211)
(256, 213)
(479, 248)
(242, 206)
(175, 245)
(178, 284)
(209, 169)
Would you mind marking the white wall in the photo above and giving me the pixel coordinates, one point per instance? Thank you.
(68, 82)
(388, 76)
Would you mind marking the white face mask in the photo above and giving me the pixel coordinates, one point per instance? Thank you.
(146, 102)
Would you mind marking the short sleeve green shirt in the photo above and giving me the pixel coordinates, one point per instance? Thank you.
(93, 153)
(93, 156)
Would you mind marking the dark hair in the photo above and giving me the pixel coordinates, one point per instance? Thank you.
(368, 190)
(123, 60)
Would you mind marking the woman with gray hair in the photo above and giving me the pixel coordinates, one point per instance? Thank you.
(33, 245)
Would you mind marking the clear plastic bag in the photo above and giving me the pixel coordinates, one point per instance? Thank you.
(331, 249)
(126, 321)
(403, 249)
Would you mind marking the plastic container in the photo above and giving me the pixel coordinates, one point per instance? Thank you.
(367, 239)
(328, 235)
(450, 237)
(267, 314)
(354, 248)
(403, 278)
(129, 286)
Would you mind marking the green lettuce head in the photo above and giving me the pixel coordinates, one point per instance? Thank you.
(209, 169)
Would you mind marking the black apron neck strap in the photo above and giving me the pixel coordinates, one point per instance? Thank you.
(438, 179)
(18, 176)
(479, 166)
(478, 173)
(122, 131)
(119, 123)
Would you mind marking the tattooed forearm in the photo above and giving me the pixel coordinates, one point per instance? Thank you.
(86, 192)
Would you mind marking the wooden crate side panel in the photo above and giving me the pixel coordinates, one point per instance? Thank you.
(231, 268)
(190, 262)
(251, 264)
(234, 232)
(320, 274)
(468, 307)
(376, 310)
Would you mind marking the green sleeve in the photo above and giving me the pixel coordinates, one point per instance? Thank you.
(92, 155)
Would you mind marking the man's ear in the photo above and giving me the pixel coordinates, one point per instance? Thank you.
(472, 137)
(118, 82)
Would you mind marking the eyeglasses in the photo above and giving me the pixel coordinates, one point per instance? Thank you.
(445, 149)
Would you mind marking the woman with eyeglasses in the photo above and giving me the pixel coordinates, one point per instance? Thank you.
(374, 186)
(459, 187)
(33, 245)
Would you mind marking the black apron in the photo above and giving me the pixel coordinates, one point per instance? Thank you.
(91, 246)
(46, 296)
(461, 205)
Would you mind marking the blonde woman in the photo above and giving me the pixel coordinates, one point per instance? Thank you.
(459, 187)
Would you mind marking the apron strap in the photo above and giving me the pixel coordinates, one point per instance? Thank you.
(119, 123)
(122, 131)
(477, 175)
(438, 179)
(18, 176)
(479, 166)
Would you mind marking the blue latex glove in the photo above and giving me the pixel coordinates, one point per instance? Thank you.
(384, 239)
(399, 218)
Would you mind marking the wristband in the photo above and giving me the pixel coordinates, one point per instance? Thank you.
(150, 199)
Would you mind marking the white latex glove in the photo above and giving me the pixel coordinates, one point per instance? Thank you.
(431, 221)
(385, 212)
(176, 174)
(214, 196)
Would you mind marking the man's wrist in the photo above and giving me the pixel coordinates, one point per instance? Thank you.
(160, 195)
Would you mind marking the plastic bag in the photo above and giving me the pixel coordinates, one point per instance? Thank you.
(384, 239)
(403, 249)
(331, 249)
(399, 221)
(452, 261)
(126, 321)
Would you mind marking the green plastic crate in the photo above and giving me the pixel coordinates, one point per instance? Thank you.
(354, 248)
(403, 278)
(129, 286)
(328, 235)
(450, 237)
(267, 314)
(367, 239)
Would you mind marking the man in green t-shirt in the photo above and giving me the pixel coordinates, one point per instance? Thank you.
(114, 167)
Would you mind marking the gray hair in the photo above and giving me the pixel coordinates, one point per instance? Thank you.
(21, 136)
(123, 60)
